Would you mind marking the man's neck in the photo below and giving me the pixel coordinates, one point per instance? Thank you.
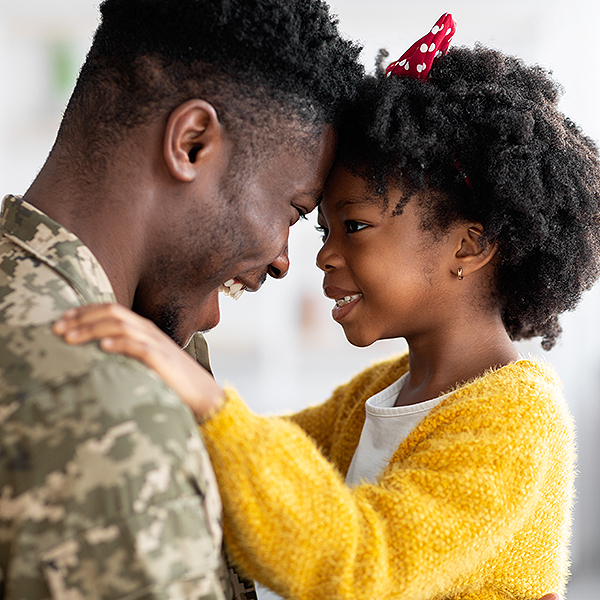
(98, 215)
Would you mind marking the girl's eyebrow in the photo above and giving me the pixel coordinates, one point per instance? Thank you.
(370, 200)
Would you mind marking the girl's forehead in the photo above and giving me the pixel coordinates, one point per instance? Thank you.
(344, 188)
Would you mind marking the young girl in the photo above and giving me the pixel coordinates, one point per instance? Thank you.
(462, 214)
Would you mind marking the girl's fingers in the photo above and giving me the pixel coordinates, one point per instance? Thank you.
(87, 323)
(134, 348)
(177, 369)
(89, 312)
(121, 331)
(81, 333)
(93, 313)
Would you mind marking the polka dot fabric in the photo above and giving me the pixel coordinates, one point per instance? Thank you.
(417, 60)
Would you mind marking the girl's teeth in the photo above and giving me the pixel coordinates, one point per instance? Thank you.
(347, 300)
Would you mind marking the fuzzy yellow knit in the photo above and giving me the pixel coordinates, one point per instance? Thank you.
(475, 503)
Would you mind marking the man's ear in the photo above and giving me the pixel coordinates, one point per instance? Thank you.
(193, 134)
(472, 253)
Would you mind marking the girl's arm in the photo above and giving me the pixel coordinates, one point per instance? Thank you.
(435, 517)
(122, 331)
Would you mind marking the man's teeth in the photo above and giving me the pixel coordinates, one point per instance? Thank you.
(232, 289)
(347, 300)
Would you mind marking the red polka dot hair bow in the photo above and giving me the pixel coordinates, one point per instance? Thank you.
(417, 60)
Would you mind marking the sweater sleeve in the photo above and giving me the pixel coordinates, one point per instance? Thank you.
(436, 515)
(316, 422)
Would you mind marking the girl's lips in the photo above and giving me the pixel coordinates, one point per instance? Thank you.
(345, 305)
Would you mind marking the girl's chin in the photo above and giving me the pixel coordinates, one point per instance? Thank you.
(357, 338)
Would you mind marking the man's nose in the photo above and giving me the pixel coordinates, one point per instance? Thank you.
(279, 267)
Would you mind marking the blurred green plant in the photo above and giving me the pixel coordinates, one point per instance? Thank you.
(63, 65)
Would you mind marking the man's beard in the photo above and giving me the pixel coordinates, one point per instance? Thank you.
(166, 316)
(168, 319)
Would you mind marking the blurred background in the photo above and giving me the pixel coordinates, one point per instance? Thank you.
(280, 347)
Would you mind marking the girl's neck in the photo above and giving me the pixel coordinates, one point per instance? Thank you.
(441, 361)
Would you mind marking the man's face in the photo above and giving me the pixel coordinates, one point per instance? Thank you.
(234, 228)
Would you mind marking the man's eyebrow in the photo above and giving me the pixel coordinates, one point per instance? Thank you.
(316, 194)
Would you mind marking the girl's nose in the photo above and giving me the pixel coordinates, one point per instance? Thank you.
(327, 258)
(279, 267)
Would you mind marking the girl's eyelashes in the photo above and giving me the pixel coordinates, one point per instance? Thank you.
(351, 227)
(354, 226)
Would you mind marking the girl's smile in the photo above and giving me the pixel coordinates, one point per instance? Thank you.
(344, 301)
(384, 271)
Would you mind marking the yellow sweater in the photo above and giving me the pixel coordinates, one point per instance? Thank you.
(475, 503)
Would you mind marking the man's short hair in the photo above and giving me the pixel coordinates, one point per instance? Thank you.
(259, 62)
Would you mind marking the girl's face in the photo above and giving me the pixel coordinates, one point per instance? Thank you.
(387, 275)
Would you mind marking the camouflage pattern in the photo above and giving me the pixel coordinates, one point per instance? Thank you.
(106, 489)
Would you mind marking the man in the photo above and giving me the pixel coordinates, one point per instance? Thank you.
(198, 132)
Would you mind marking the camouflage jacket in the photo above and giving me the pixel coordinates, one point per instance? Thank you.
(106, 489)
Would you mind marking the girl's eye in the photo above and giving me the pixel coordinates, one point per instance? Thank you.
(354, 226)
(323, 231)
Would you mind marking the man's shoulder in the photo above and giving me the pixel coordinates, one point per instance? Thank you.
(101, 462)
(99, 423)
(33, 358)
(33, 296)
(30, 288)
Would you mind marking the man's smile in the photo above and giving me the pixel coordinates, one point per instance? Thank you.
(233, 288)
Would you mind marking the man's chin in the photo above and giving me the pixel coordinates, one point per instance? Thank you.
(208, 325)
(202, 319)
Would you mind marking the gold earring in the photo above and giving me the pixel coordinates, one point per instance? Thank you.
(460, 274)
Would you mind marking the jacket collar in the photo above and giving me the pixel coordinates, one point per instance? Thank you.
(37, 234)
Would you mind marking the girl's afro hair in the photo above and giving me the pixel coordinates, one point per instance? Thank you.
(485, 130)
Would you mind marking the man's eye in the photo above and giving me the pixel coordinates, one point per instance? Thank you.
(323, 231)
(301, 212)
(354, 226)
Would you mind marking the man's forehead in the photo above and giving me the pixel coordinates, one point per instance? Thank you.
(306, 164)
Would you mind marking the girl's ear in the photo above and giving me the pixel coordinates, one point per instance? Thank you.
(193, 134)
(472, 252)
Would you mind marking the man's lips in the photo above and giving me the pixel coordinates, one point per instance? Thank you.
(233, 288)
(236, 286)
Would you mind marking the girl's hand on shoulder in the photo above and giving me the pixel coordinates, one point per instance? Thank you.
(121, 331)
